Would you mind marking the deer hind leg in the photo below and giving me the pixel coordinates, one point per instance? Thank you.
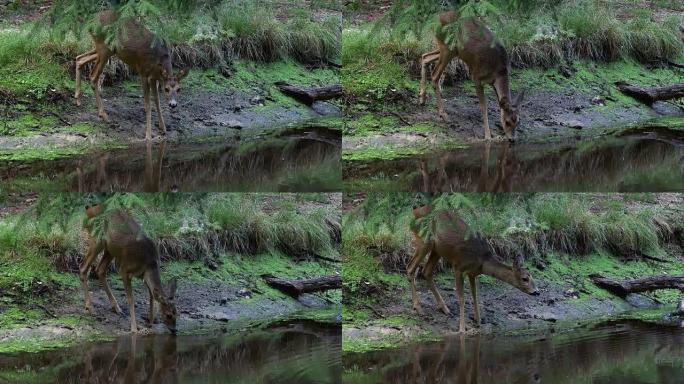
(97, 85)
(102, 274)
(146, 85)
(429, 272)
(473, 291)
(412, 272)
(131, 302)
(461, 300)
(437, 82)
(94, 249)
(154, 84)
(483, 108)
(425, 60)
(81, 60)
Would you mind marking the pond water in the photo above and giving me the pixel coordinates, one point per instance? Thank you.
(300, 352)
(625, 352)
(647, 162)
(305, 161)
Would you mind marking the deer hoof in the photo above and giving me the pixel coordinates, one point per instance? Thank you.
(444, 116)
(117, 310)
(418, 309)
(104, 117)
(446, 311)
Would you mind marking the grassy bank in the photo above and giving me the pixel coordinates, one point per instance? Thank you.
(203, 239)
(563, 237)
(36, 59)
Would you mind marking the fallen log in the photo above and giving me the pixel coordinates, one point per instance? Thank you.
(649, 95)
(295, 288)
(309, 95)
(651, 283)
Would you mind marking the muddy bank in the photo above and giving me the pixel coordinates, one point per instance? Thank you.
(225, 306)
(503, 309)
(557, 106)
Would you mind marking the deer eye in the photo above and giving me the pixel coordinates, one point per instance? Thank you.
(168, 89)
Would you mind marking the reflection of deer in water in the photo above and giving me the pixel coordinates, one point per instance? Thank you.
(440, 369)
(469, 254)
(159, 363)
(136, 256)
(104, 181)
(506, 170)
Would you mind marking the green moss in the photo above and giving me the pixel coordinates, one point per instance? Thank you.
(41, 153)
(28, 125)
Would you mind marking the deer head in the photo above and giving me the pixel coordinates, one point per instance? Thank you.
(168, 306)
(523, 279)
(172, 85)
(509, 114)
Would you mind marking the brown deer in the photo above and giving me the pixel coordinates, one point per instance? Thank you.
(467, 253)
(145, 53)
(487, 63)
(136, 256)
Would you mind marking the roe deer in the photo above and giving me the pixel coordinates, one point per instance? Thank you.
(135, 255)
(487, 63)
(145, 53)
(467, 253)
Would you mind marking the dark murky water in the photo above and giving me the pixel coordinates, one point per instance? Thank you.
(291, 353)
(640, 163)
(307, 162)
(611, 353)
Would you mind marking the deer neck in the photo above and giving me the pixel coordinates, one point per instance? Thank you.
(498, 270)
(503, 90)
(153, 281)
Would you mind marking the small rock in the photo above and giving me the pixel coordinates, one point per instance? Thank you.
(574, 124)
(572, 293)
(598, 100)
(234, 124)
(257, 100)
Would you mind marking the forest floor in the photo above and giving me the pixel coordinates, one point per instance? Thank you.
(384, 317)
(565, 99)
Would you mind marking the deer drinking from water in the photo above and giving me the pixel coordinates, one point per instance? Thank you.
(468, 254)
(145, 53)
(487, 63)
(135, 255)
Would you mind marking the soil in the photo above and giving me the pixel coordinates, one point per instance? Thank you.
(543, 115)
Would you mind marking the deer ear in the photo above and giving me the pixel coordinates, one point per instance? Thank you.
(172, 288)
(183, 72)
(518, 263)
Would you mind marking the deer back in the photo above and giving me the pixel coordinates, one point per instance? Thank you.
(137, 46)
(455, 242)
(133, 251)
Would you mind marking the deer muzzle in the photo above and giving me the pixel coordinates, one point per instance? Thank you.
(173, 104)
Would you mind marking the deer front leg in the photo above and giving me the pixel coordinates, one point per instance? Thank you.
(102, 274)
(483, 107)
(146, 85)
(429, 272)
(94, 248)
(154, 84)
(473, 291)
(80, 61)
(131, 302)
(151, 316)
(412, 272)
(96, 84)
(461, 300)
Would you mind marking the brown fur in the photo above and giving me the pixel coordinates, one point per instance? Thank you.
(135, 255)
(467, 253)
(144, 53)
(487, 63)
